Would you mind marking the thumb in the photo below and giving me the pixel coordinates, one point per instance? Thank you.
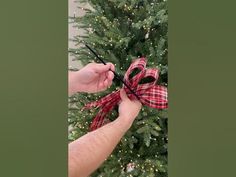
(123, 95)
(100, 68)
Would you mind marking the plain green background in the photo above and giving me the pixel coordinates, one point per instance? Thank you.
(202, 88)
(33, 88)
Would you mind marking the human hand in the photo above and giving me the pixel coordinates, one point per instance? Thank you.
(128, 110)
(92, 78)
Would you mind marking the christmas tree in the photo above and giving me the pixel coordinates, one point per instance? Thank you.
(121, 31)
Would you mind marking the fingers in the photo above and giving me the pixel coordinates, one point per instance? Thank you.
(104, 69)
(138, 103)
(105, 84)
(102, 81)
(112, 66)
(104, 74)
(110, 75)
(100, 68)
(109, 83)
(123, 95)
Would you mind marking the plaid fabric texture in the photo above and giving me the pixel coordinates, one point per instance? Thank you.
(150, 94)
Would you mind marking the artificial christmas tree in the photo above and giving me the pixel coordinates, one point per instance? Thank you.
(121, 31)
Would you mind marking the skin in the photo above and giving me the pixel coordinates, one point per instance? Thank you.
(88, 152)
(91, 79)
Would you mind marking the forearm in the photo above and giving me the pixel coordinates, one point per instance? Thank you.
(88, 152)
(72, 84)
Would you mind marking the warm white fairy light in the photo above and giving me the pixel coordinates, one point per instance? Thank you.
(130, 22)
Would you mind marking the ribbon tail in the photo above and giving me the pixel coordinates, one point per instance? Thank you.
(97, 122)
(101, 101)
(106, 107)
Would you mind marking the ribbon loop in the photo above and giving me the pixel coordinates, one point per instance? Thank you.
(149, 79)
(138, 66)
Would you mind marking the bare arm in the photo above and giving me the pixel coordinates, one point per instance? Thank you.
(87, 153)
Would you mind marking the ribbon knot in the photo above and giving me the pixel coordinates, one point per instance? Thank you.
(143, 82)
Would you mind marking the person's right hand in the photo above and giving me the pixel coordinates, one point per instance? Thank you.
(128, 110)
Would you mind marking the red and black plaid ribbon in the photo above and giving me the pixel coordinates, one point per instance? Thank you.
(149, 94)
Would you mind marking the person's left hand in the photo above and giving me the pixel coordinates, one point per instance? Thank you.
(92, 78)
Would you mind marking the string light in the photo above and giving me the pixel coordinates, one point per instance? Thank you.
(130, 22)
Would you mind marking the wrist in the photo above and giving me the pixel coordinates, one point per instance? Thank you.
(123, 123)
(73, 83)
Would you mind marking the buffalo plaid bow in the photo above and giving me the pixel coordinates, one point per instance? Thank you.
(149, 94)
